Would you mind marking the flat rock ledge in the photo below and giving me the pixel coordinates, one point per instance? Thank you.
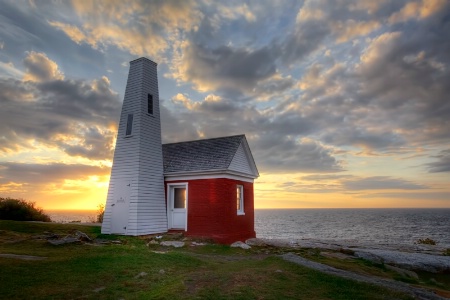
(415, 292)
(405, 260)
(410, 257)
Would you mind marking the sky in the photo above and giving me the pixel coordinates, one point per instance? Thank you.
(343, 103)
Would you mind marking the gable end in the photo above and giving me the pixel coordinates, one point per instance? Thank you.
(243, 161)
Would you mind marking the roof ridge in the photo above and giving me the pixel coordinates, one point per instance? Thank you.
(215, 138)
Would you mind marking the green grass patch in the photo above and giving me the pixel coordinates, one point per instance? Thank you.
(133, 270)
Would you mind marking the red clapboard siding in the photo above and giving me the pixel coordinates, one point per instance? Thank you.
(212, 211)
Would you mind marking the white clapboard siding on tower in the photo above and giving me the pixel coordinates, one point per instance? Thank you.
(136, 188)
(240, 162)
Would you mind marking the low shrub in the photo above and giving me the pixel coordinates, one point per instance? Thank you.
(21, 210)
(100, 213)
(426, 241)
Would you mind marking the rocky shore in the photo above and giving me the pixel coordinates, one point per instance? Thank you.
(416, 257)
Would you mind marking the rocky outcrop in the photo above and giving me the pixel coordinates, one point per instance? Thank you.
(415, 292)
(415, 257)
(406, 260)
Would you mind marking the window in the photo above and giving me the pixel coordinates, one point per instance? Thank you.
(150, 104)
(240, 199)
(129, 124)
(179, 198)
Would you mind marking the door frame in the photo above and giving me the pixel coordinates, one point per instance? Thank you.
(170, 187)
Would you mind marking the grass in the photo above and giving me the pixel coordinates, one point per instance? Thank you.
(133, 270)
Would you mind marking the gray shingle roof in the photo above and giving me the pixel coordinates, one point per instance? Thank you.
(200, 155)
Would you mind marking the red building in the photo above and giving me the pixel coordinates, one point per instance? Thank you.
(209, 188)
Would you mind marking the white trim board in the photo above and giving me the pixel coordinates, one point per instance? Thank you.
(209, 176)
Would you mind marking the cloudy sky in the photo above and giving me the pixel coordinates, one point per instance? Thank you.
(344, 103)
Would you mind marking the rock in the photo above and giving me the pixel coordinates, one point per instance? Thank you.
(369, 256)
(99, 289)
(82, 236)
(66, 240)
(415, 292)
(337, 255)
(22, 257)
(46, 236)
(175, 244)
(278, 271)
(142, 274)
(240, 244)
(198, 244)
(152, 242)
(106, 242)
(406, 260)
(347, 251)
(403, 272)
(162, 272)
(256, 242)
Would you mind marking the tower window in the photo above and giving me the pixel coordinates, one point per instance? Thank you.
(150, 104)
(129, 124)
(240, 199)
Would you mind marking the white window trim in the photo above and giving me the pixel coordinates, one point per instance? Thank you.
(240, 211)
(169, 217)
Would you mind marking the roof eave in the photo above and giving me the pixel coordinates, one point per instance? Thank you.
(209, 172)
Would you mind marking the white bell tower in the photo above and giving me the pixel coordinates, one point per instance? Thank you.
(136, 199)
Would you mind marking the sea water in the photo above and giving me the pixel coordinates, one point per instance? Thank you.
(378, 226)
(67, 216)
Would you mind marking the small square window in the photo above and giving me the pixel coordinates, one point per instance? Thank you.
(129, 124)
(240, 199)
(150, 104)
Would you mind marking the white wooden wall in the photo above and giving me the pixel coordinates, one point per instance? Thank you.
(138, 160)
(240, 162)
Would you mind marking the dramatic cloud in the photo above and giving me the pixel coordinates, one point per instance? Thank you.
(55, 173)
(140, 27)
(224, 67)
(381, 183)
(442, 164)
(418, 9)
(40, 68)
(281, 154)
(76, 116)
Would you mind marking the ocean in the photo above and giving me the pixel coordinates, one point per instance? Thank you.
(378, 226)
(67, 216)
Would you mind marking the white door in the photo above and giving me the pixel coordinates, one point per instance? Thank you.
(119, 218)
(178, 206)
